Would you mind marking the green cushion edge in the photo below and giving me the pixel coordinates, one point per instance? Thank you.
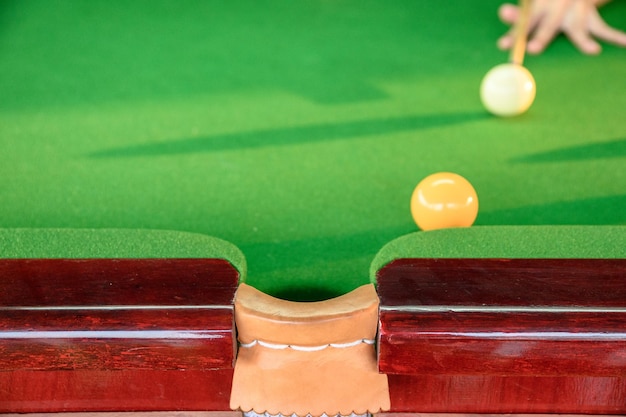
(116, 243)
(594, 242)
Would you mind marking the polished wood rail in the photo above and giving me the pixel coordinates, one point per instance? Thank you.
(116, 334)
(504, 335)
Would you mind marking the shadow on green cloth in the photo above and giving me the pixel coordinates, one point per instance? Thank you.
(358, 248)
(590, 211)
(603, 150)
(65, 53)
(291, 135)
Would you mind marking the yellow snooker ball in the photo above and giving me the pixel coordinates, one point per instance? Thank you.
(444, 200)
(508, 90)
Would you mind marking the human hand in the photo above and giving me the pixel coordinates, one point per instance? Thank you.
(579, 20)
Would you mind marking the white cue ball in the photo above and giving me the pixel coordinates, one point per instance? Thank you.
(507, 90)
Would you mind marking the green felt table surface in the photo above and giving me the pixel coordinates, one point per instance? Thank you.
(295, 130)
(507, 242)
(50, 243)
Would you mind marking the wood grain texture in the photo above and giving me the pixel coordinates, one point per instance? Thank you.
(116, 334)
(503, 282)
(135, 390)
(478, 415)
(190, 339)
(504, 336)
(530, 344)
(116, 282)
(478, 394)
(137, 414)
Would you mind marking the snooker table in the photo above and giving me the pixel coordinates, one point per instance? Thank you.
(280, 143)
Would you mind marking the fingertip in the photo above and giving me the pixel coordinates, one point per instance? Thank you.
(603, 31)
(505, 42)
(534, 47)
(585, 43)
(591, 48)
(508, 13)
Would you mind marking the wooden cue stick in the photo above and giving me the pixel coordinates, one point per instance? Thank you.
(520, 33)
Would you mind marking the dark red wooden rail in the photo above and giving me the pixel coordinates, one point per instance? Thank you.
(116, 334)
(457, 336)
(504, 336)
